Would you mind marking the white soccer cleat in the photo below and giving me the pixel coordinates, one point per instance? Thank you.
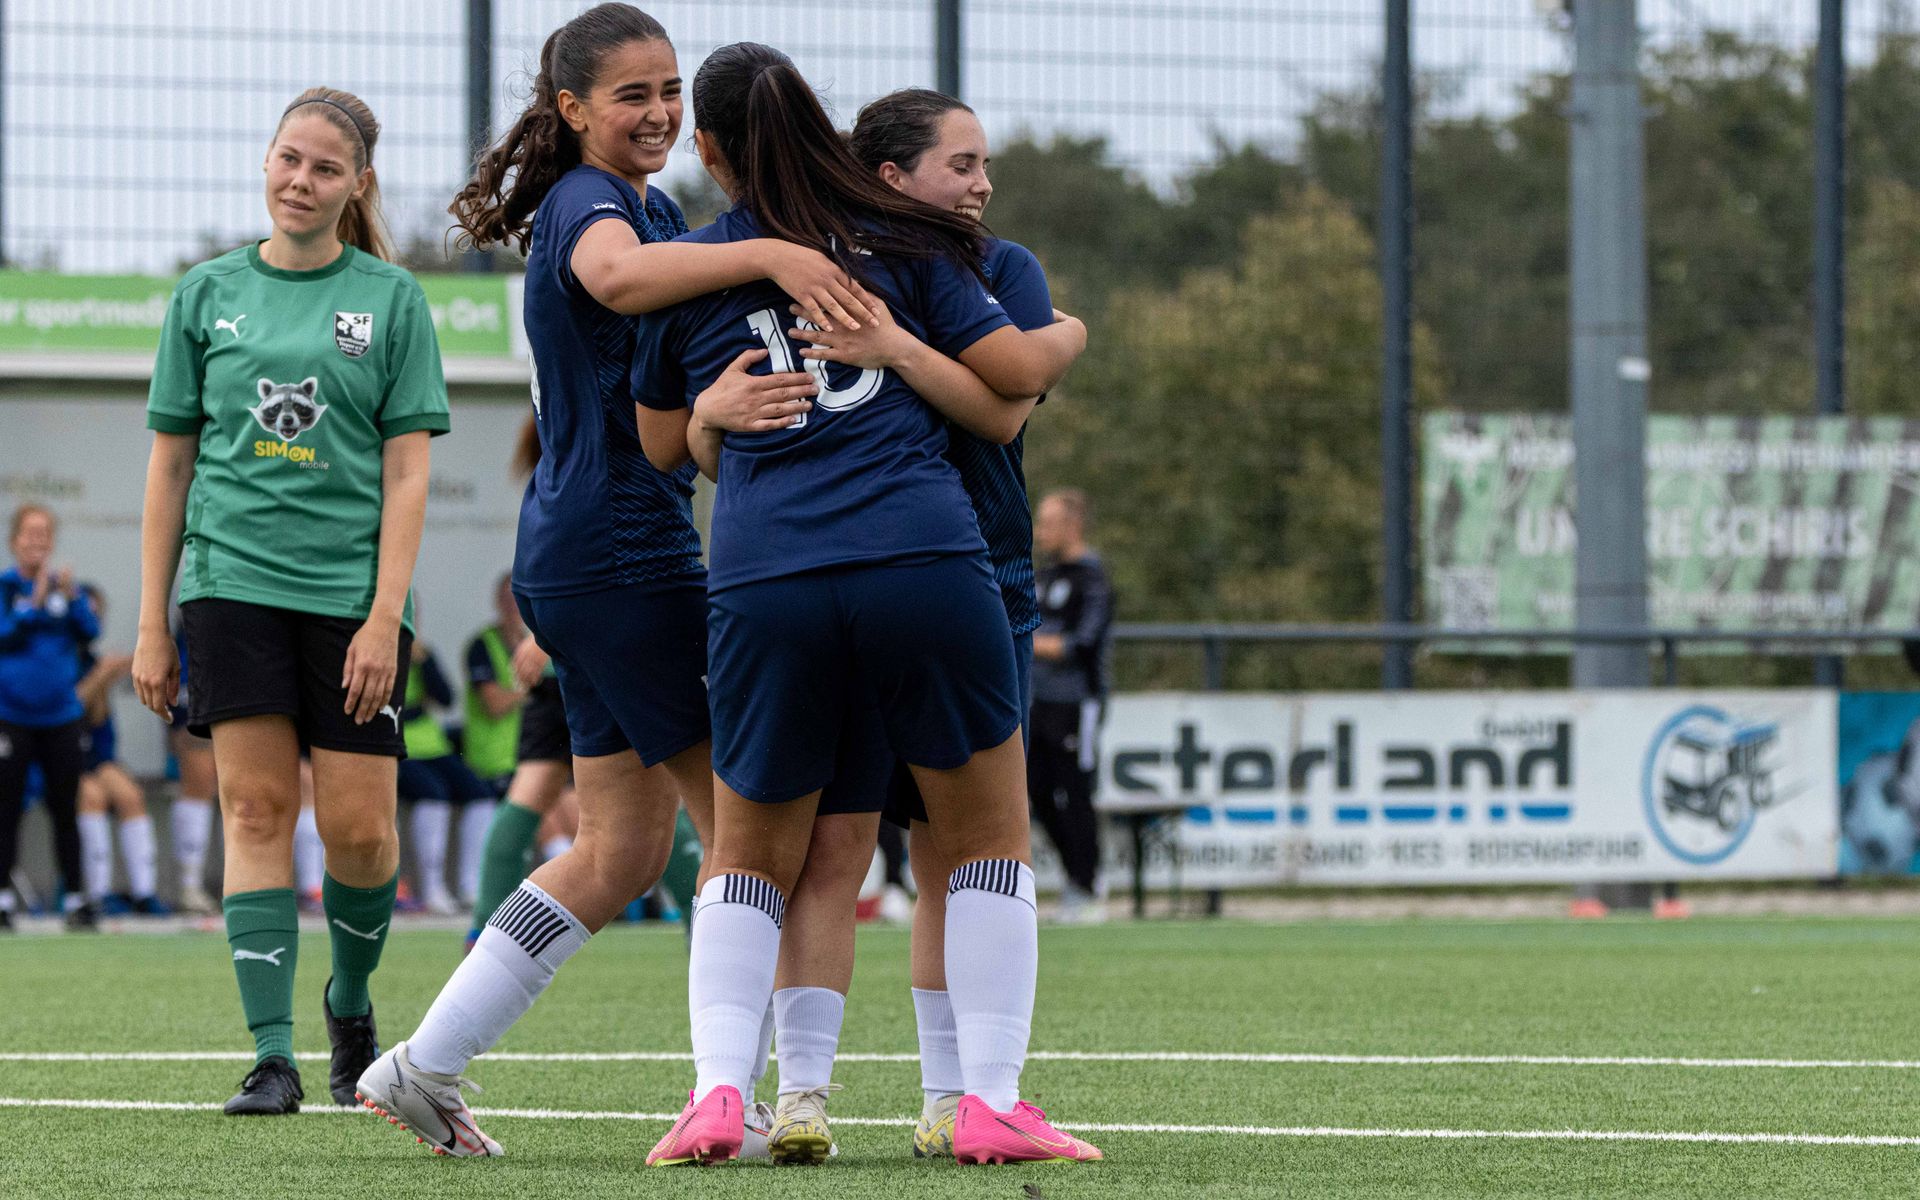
(194, 899)
(759, 1125)
(425, 1104)
(801, 1136)
(933, 1132)
(896, 907)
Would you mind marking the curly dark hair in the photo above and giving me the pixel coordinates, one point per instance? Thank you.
(516, 173)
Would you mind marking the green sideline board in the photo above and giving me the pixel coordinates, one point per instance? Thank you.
(1765, 523)
(48, 311)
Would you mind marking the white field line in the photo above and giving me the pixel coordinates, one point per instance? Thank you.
(1173, 1056)
(1271, 1131)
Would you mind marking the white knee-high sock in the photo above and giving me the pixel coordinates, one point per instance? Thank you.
(993, 961)
(939, 1045)
(736, 946)
(763, 1055)
(190, 820)
(136, 852)
(807, 1021)
(309, 854)
(524, 943)
(96, 856)
(475, 819)
(432, 821)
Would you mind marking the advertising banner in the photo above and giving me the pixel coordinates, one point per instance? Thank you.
(1766, 523)
(1480, 787)
(472, 314)
(1879, 765)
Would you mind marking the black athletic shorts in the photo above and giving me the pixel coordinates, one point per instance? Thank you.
(543, 725)
(250, 660)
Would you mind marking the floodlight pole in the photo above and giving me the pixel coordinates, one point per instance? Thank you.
(1396, 367)
(3, 133)
(1829, 242)
(479, 103)
(1608, 310)
(946, 47)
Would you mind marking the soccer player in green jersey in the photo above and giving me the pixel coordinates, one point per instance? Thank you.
(297, 384)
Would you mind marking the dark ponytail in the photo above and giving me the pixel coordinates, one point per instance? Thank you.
(526, 449)
(516, 173)
(799, 177)
(901, 126)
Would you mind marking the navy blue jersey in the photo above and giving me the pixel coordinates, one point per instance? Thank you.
(596, 514)
(864, 478)
(993, 475)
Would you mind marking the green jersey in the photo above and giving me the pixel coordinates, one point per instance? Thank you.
(293, 380)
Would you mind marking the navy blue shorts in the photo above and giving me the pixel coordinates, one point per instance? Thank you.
(862, 765)
(448, 778)
(903, 804)
(631, 662)
(925, 642)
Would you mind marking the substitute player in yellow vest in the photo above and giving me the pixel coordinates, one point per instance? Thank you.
(297, 384)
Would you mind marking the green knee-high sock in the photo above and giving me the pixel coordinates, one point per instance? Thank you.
(683, 866)
(263, 928)
(357, 923)
(504, 863)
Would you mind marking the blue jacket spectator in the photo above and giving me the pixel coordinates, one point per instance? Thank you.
(45, 625)
(42, 632)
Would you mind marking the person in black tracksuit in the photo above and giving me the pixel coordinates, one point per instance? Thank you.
(1070, 652)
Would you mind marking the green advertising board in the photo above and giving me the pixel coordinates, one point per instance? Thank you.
(1763, 523)
(45, 311)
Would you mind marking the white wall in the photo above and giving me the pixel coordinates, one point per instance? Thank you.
(84, 455)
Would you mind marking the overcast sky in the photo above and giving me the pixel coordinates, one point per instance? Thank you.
(134, 129)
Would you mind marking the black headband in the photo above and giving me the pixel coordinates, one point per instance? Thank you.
(352, 120)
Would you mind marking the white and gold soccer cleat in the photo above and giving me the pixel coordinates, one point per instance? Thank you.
(933, 1132)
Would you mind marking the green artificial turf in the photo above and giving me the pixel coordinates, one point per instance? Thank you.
(1773, 989)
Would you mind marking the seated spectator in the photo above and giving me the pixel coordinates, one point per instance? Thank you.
(434, 778)
(107, 791)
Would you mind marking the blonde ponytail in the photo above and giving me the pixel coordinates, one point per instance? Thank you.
(363, 225)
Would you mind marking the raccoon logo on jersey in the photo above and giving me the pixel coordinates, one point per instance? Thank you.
(353, 333)
(288, 410)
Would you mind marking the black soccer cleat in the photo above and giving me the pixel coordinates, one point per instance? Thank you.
(355, 1045)
(271, 1089)
(6, 921)
(84, 919)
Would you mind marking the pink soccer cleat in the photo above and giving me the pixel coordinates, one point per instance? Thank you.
(707, 1132)
(981, 1135)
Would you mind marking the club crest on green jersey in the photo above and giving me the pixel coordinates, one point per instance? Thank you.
(353, 333)
(288, 410)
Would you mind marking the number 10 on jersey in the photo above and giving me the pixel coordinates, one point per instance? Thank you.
(865, 386)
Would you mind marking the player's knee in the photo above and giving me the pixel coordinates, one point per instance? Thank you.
(130, 803)
(262, 817)
(625, 864)
(839, 862)
(360, 837)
